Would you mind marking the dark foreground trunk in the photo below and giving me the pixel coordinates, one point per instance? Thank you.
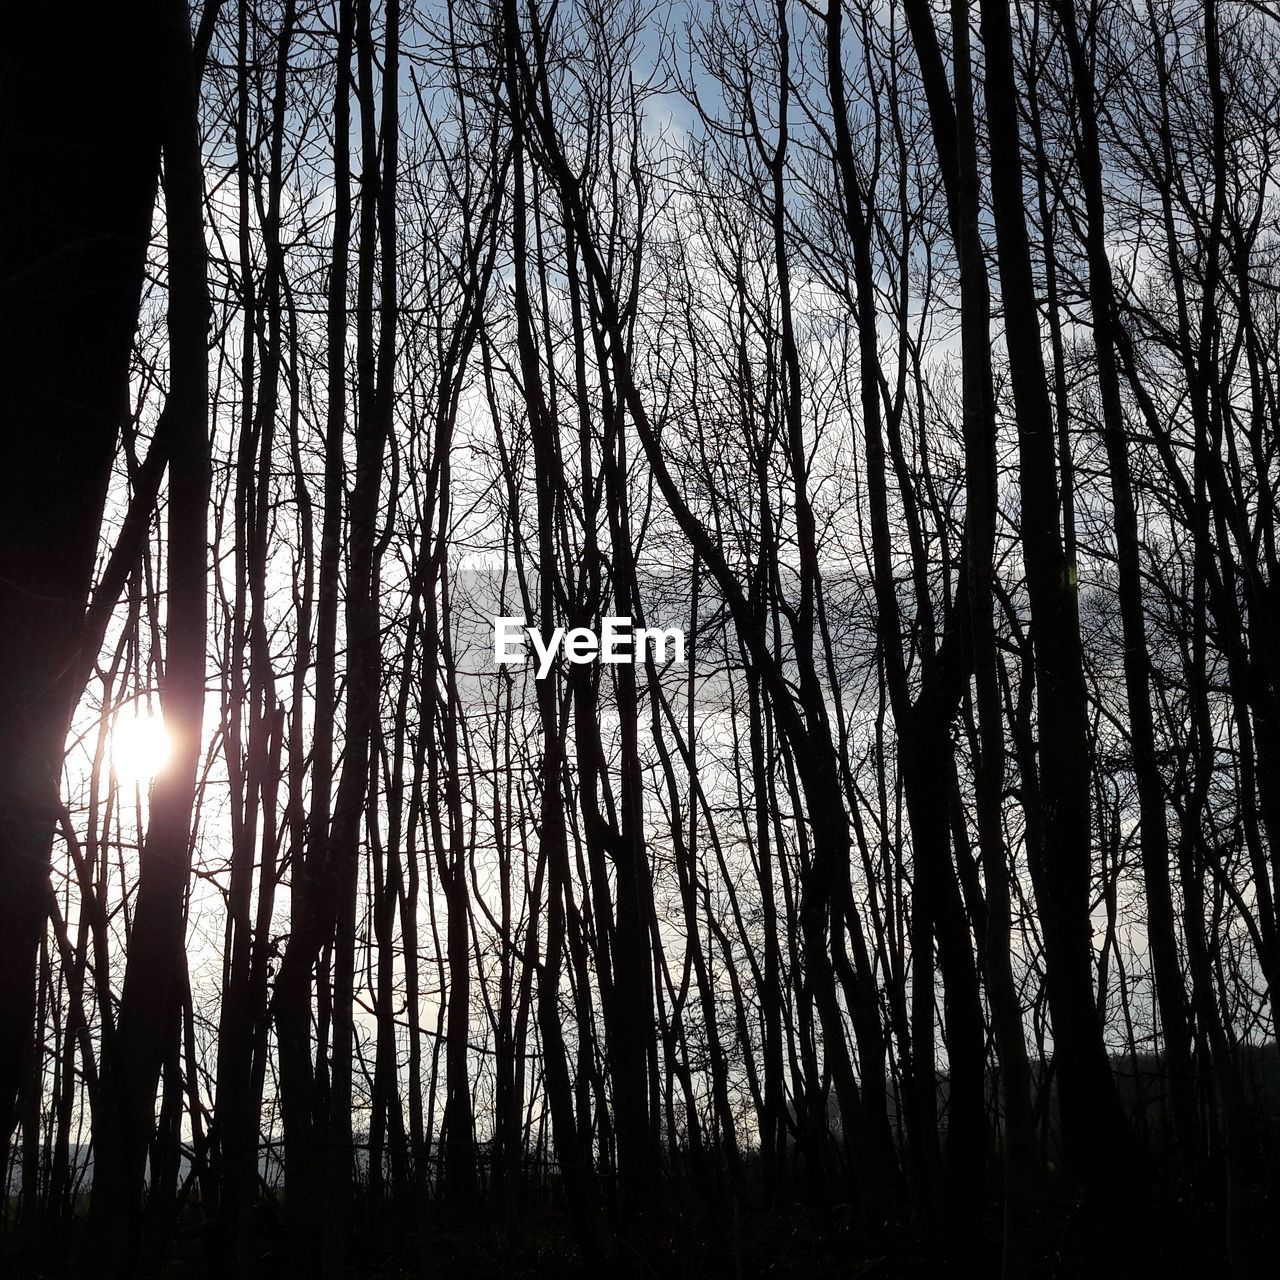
(75, 214)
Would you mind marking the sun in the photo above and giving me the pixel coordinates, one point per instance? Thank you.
(140, 746)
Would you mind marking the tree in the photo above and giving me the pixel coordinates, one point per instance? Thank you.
(74, 230)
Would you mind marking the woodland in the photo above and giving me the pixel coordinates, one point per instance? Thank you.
(918, 360)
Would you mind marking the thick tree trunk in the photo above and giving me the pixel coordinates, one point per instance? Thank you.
(80, 166)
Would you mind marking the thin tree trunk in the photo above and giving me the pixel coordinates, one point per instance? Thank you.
(1096, 1134)
(1154, 830)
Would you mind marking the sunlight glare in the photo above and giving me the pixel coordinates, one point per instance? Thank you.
(140, 746)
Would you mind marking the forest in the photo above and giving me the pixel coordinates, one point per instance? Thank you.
(912, 366)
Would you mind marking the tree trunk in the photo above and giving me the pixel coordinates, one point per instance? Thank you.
(75, 217)
(1097, 1140)
(1154, 830)
(149, 1004)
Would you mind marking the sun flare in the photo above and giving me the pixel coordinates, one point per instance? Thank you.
(140, 746)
